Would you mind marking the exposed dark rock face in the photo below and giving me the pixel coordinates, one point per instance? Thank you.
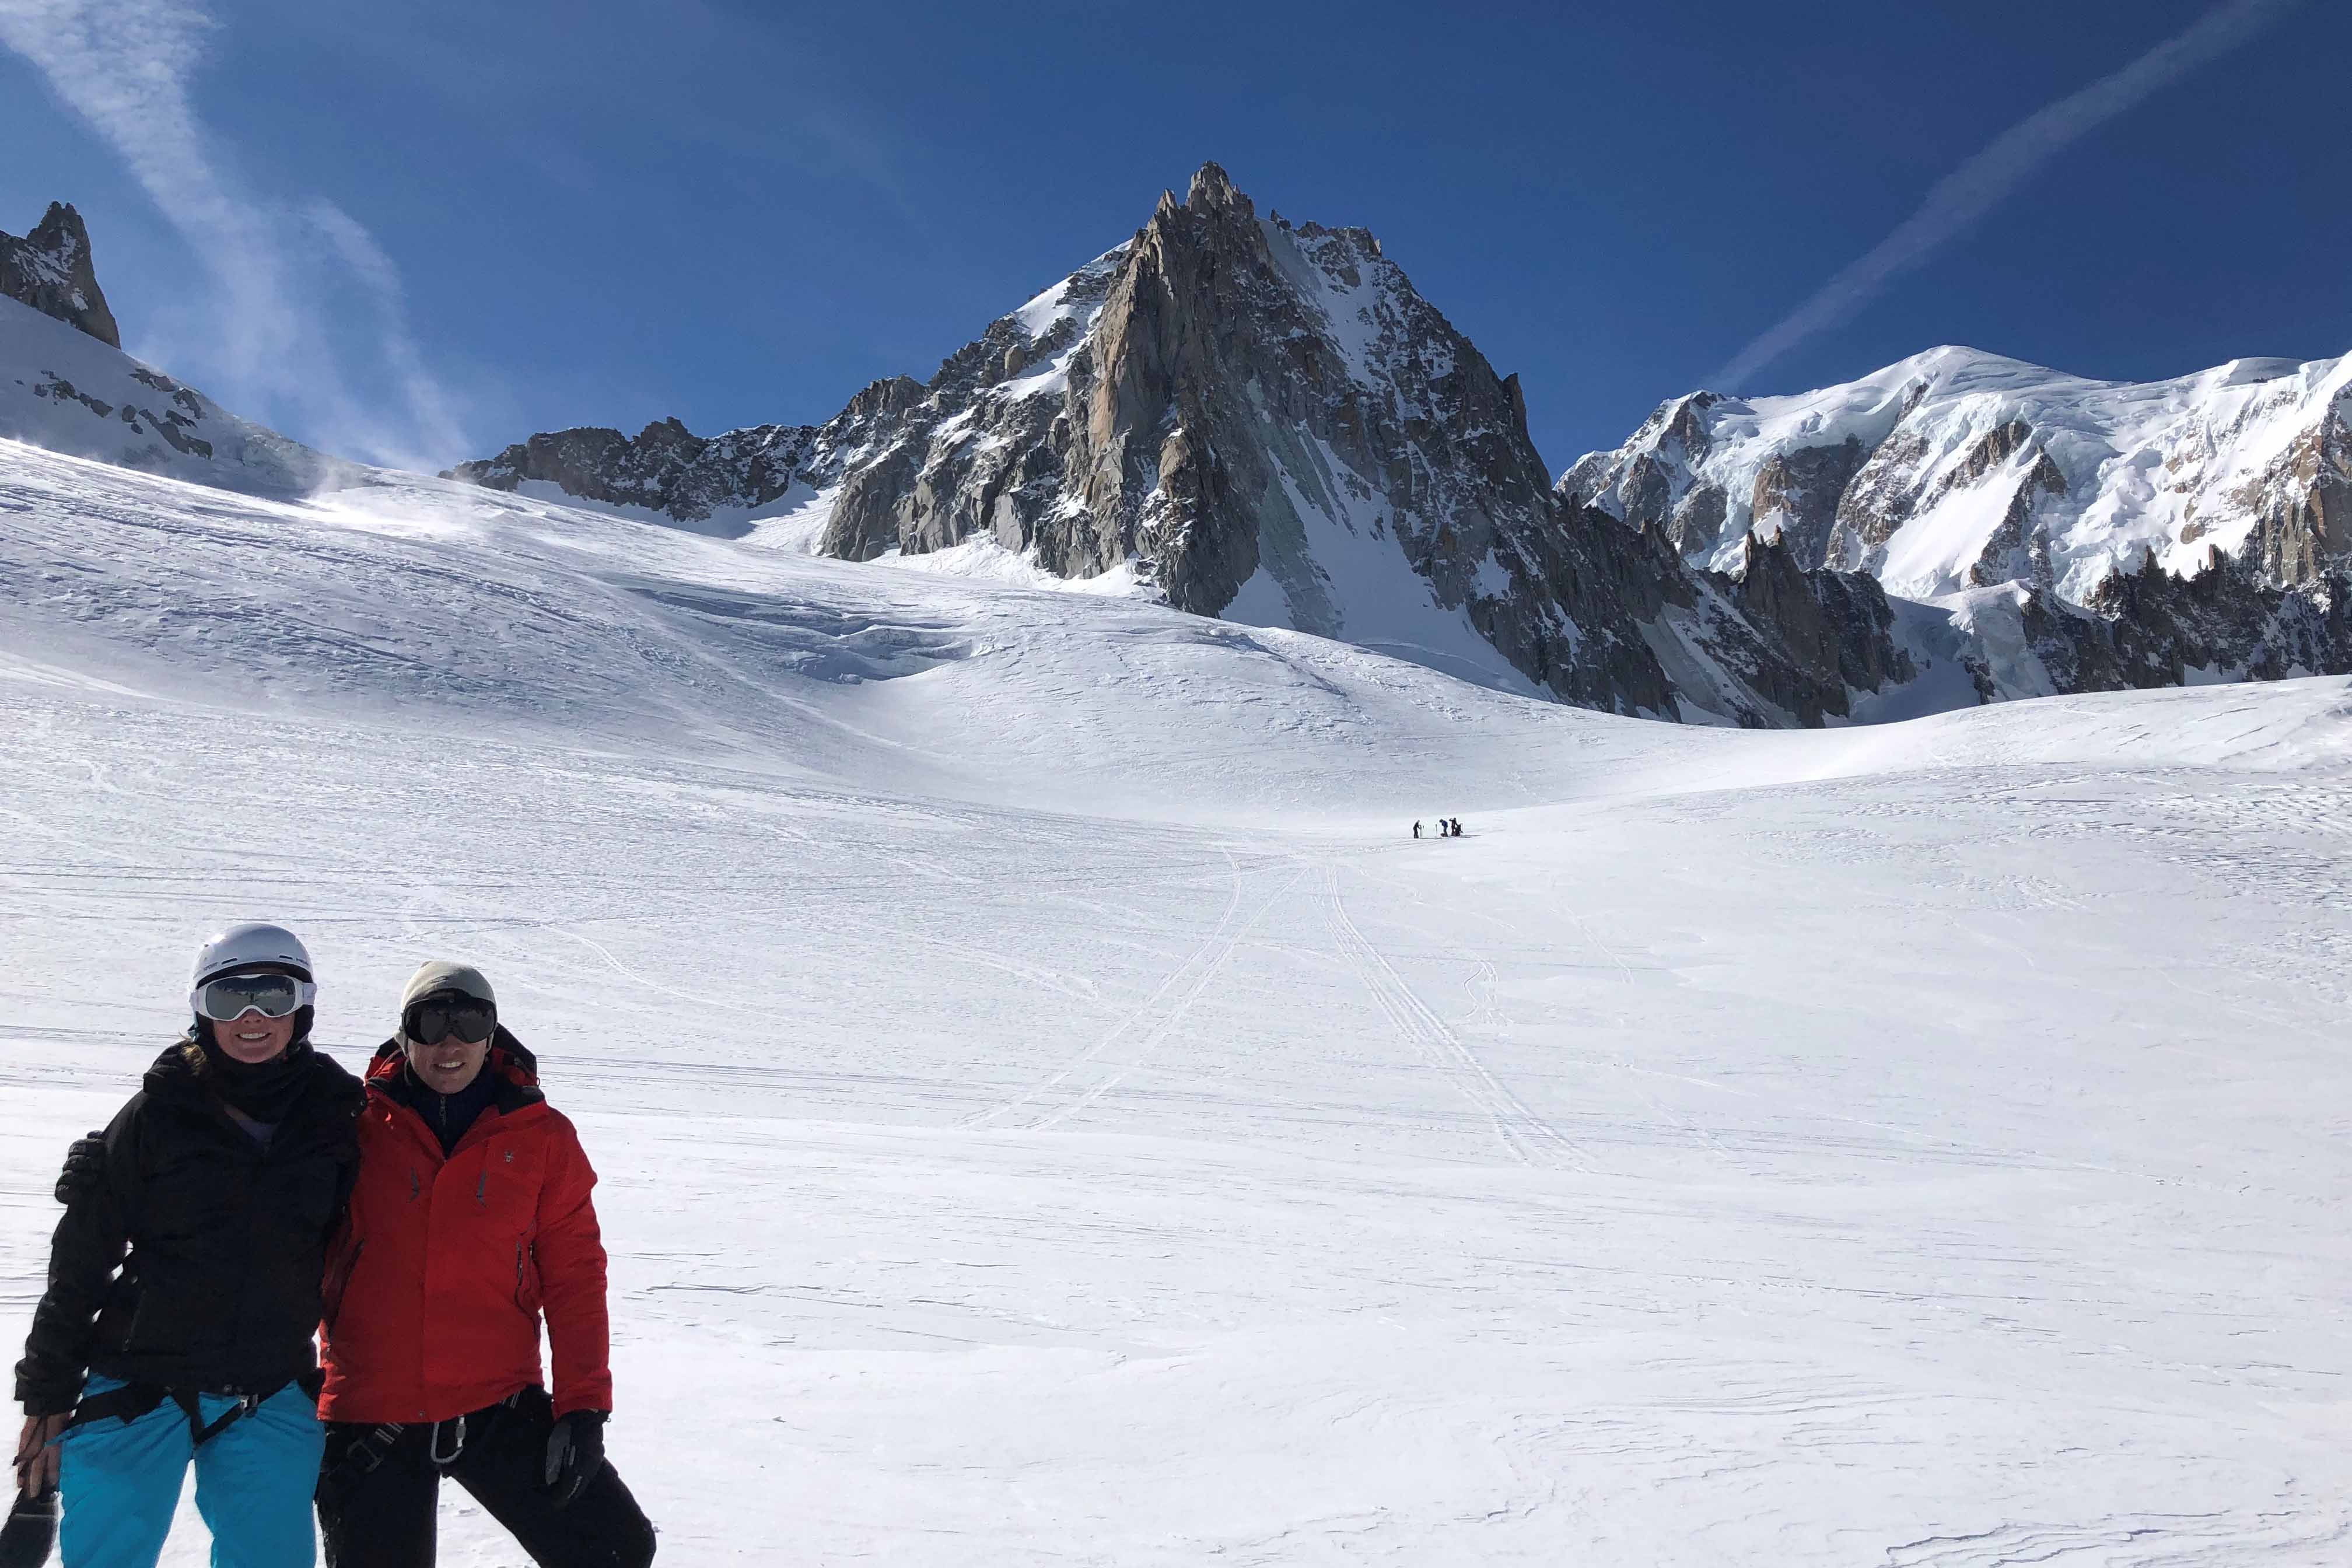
(1878, 501)
(1833, 632)
(2304, 504)
(2018, 550)
(1999, 445)
(1700, 516)
(2149, 628)
(2224, 622)
(667, 468)
(1796, 497)
(1899, 480)
(50, 269)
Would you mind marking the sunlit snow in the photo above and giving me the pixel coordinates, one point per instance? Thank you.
(1050, 1111)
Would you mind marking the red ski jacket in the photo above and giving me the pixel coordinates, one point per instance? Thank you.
(435, 1284)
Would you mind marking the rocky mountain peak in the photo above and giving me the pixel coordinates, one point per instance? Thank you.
(891, 394)
(670, 433)
(1211, 191)
(51, 270)
(1264, 421)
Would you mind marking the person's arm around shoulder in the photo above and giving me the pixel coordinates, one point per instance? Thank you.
(572, 1278)
(89, 1244)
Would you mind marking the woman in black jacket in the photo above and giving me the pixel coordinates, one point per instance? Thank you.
(184, 1281)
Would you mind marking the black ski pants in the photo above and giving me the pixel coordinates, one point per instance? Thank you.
(382, 1516)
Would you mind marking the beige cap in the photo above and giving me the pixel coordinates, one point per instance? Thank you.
(440, 975)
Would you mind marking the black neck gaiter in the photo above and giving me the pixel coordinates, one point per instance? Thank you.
(449, 1115)
(261, 1091)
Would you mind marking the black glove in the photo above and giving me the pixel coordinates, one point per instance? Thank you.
(575, 1452)
(31, 1531)
(85, 1168)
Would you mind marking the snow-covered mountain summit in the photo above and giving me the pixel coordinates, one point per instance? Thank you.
(1956, 469)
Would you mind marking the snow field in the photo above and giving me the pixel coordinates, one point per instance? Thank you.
(1050, 1112)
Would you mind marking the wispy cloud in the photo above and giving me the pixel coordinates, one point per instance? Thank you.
(285, 276)
(1973, 189)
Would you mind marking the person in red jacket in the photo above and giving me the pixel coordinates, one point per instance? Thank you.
(470, 1220)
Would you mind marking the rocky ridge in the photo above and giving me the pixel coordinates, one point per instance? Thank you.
(2150, 627)
(1956, 469)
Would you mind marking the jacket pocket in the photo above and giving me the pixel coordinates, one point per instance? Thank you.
(153, 1325)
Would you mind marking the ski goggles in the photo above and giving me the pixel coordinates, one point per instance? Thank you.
(226, 998)
(435, 1019)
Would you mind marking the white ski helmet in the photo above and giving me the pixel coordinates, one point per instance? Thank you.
(251, 945)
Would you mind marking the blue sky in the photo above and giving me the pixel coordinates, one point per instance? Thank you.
(423, 230)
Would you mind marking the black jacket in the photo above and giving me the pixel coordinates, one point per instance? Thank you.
(226, 1242)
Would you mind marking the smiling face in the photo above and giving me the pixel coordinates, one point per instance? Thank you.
(254, 1039)
(448, 1066)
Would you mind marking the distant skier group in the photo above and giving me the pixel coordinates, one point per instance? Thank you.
(322, 1291)
(1447, 827)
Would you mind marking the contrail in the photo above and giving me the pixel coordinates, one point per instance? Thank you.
(1968, 192)
(283, 274)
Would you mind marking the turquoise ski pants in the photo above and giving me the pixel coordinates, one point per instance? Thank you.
(119, 1484)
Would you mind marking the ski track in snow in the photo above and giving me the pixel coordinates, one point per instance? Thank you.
(1529, 1137)
(1049, 1111)
(1159, 1011)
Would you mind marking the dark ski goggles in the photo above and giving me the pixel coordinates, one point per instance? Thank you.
(226, 998)
(435, 1019)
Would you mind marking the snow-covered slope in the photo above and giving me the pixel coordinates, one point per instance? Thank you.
(65, 390)
(1049, 1109)
(66, 385)
(1956, 469)
(401, 599)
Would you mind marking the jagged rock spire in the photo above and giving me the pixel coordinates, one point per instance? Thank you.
(51, 270)
(1211, 191)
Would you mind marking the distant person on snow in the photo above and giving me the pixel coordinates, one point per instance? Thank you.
(471, 1218)
(184, 1281)
(1416, 830)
